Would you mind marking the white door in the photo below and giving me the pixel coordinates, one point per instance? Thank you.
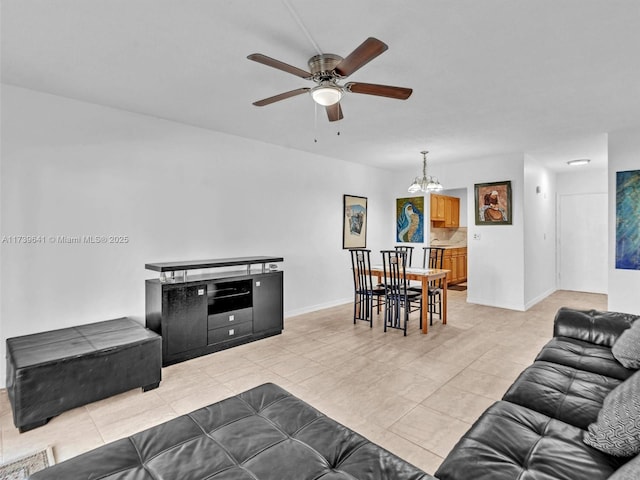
(582, 237)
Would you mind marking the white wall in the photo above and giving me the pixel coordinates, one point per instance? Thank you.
(177, 192)
(624, 285)
(581, 181)
(539, 232)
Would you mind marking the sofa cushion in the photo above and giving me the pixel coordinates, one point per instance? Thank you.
(627, 347)
(263, 433)
(562, 392)
(513, 442)
(584, 356)
(617, 430)
(629, 471)
(593, 326)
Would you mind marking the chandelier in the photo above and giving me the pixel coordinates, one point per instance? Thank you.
(426, 183)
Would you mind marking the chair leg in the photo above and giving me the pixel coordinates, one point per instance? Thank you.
(386, 312)
(431, 308)
(407, 308)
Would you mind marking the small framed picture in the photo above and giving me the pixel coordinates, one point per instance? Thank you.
(354, 222)
(493, 203)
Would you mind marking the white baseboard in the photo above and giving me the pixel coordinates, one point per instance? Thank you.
(319, 306)
(539, 298)
(517, 307)
(482, 301)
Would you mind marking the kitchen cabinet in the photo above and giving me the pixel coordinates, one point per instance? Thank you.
(445, 211)
(455, 260)
(437, 207)
(452, 212)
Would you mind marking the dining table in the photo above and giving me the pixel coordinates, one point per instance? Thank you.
(424, 276)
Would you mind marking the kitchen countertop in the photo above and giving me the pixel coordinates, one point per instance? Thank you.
(448, 245)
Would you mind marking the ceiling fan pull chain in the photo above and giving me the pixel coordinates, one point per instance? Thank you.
(315, 122)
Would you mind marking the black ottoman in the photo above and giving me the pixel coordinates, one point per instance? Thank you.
(51, 372)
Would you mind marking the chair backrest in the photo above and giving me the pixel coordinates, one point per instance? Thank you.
(361, 266)
(407, 250)
(432, 257)
(394, 266)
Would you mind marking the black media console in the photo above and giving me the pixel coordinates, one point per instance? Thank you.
(207, 312)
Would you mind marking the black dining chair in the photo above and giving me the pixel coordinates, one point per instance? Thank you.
(399, 300)
(409, 251)
(365, 292)
(433, 258)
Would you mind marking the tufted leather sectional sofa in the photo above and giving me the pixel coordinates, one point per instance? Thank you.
(536, 431)
(263, 433)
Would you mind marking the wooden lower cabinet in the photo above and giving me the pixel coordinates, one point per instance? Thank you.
(455, 260)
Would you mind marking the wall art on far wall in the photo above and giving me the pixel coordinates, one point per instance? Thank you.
(410, 220)
(628, 220)
(354, 222)
(493, 203)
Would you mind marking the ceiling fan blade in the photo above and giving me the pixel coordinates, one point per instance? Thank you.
(334, 112)
(367, 51)
(285, 67)
(281, 96)
(399, 93)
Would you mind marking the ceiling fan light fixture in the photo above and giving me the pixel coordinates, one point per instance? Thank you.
(326, 94)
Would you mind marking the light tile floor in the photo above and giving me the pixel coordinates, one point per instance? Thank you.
(414, 395)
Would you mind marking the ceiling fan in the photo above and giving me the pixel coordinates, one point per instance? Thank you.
(326, 70)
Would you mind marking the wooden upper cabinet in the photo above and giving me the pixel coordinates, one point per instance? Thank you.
(445, 211)
(437, 207)
(452, 212)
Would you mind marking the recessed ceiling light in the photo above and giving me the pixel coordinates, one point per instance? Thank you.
(579, 161)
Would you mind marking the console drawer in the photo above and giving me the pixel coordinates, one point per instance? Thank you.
(228, 319)
(229, 332)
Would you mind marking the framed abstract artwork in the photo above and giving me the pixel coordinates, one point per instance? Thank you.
(410, 220)
(493, 203)
(354, 222)
(628, 220)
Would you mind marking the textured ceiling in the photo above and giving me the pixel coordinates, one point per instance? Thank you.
(545, 77)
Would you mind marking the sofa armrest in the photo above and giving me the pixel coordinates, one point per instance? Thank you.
(593, 326)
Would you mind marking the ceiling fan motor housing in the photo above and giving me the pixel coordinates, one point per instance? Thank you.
(321, 66)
